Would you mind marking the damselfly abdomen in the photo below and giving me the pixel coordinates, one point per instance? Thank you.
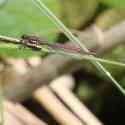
(35, 42)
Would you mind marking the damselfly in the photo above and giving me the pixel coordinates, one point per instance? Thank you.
(36, 42)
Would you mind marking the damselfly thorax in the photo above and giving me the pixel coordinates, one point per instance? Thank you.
(30, 41)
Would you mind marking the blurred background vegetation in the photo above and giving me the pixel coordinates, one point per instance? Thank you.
(22, 17)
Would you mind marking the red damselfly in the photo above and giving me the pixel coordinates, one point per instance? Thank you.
(36, 42)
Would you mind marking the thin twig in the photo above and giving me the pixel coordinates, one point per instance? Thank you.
(9, 39)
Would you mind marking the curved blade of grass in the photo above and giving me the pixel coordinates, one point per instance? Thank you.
(75, 40)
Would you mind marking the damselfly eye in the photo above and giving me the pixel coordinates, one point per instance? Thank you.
(24, 36)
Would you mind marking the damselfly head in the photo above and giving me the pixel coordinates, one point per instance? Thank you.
(24, 36)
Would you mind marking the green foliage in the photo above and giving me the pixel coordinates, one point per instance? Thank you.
(118, 55)
(15, 51)
(115, 3)
(22, 17)
(76, 13)
(85, 91)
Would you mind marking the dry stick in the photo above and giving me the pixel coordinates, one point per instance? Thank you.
(55, 107)
(59, 86)
(21, 89)
(103, 41)
(20, 115)
(113, 37)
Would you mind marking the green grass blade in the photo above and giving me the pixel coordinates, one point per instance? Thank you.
(81, 56)
(75, 40)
